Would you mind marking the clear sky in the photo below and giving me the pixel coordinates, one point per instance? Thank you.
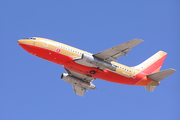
(31, 88)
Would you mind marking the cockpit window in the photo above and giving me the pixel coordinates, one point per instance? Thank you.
(32, 38)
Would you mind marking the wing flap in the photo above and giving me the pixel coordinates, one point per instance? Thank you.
(79, 90)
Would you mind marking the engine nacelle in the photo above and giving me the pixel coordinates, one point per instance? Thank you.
(78, 82)
(95, 61)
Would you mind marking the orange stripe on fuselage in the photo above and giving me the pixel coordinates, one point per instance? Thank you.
(145, 81)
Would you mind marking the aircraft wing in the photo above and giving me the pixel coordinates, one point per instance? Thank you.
(79, 90)
(114, 53)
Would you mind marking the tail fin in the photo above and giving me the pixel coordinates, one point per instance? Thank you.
(157, 77)
(151, 67)
(152, 64)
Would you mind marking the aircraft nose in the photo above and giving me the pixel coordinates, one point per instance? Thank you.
(20, 41)
(24, 41)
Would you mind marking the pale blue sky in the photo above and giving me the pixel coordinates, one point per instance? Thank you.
(31, 88)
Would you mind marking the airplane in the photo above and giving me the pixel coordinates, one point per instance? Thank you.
(83, 67)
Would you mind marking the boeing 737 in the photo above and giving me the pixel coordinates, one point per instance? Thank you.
(83, 67)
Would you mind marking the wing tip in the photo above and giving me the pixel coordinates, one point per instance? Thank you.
(139, 40)
(173, 70)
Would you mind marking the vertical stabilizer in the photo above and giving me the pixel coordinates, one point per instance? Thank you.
(152, 64)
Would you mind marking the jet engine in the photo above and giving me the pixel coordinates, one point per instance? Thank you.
(97, 62)
(78, 82)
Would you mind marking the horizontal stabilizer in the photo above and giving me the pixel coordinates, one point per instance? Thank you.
(158, 76)
(150, 88)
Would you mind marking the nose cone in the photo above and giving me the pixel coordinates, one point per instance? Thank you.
(21, 41)
(27, 44)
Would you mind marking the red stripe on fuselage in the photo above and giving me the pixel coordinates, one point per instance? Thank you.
(68, 63)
